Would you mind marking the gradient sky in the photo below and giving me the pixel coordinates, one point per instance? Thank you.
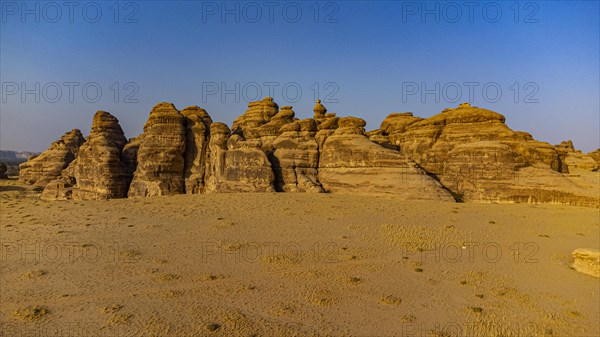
(365, 55)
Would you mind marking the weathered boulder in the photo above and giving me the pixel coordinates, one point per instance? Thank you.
(319, 110)
(60, 188)
(587, 261)
(259, 113)
(47, 166)
(326, 122)
(272, 129)
(160, 158)
(197, 123)
(262, 120)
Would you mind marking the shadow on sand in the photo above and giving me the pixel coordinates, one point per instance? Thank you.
(10, 188)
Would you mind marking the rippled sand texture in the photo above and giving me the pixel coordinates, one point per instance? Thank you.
(293, 264)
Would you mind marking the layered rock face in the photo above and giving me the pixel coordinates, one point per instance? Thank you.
(98, 170)
(215, 162)
(350, 162)
(258, 114)
(466, 154)
(296, 158)
(595, 155)
(160, 158)
(40, 170)
(262, 121)
(479, 158)
(574, 161)
(197, 123)
(235, 164)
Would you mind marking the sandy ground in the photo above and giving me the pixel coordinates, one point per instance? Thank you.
(292, 264)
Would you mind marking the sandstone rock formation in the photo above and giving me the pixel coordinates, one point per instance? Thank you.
(129, 155)
(235, 164)
(466, 154)
(98, 170)
(259, 113)
(215, 162)
(160, 158)
(326, 123)
(350, 162)
(587, 261)
(478, 157)
(574, 161)
(595, 155)
(296, 158)
(60, 188)
(263, 120)
(3, 170)
(42, 169)
(197, 135)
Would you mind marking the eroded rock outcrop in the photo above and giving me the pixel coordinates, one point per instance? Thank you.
(574, 161)
(160, 158)
(262, 121)
(235, 164)
(98, 170)
(296, 158)
(595, 155)
(40, 170)
(478, 157)
(259, 113)
(467, 153)
(326, 123)
(215, 161)
(350, 162)
(197, 123)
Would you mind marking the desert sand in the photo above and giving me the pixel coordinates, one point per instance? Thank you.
(281, 264)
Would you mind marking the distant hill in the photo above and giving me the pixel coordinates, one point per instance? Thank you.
(15, 156)
(12, 159)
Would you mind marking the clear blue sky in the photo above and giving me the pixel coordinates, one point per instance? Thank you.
(367, 56)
